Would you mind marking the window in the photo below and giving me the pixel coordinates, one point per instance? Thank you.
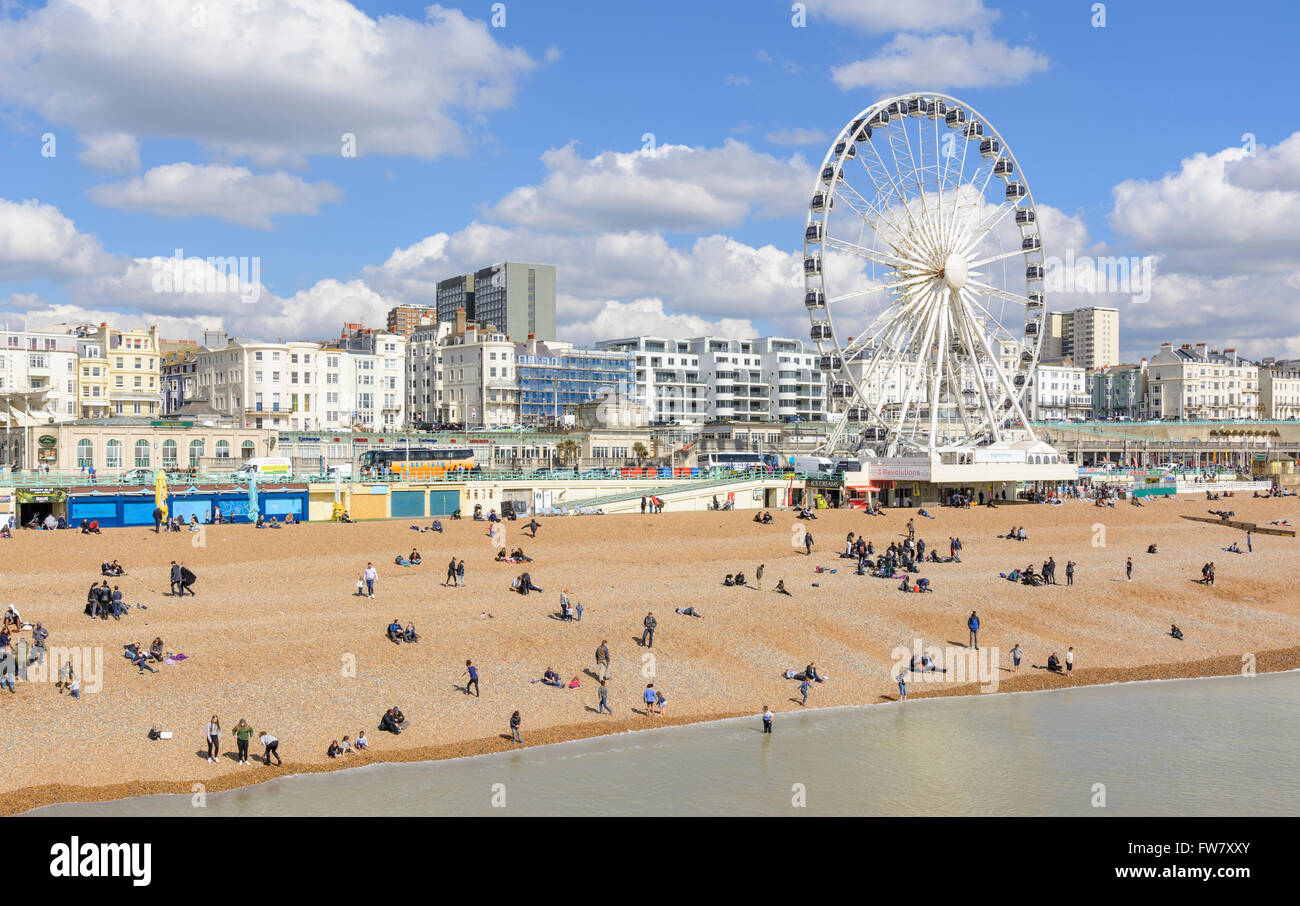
(142, 454)
(113, 455)
(196, 452)
(169, 454)
(223, 449)
(85, 453)
(246, 450)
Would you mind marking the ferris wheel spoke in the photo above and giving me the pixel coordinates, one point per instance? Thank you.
(879, 180)
(990, 290)
(880, 257)
(991, 412)
(899, 234)
(1004, 255)
(902, 196)
(981, 231)
(1001, 375)
(915, 174)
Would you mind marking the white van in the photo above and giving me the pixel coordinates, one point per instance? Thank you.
(814, 464)
(266, 467)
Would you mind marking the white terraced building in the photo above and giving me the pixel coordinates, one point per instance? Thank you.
(1196, 383)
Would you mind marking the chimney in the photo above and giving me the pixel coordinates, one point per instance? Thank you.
(460, 320)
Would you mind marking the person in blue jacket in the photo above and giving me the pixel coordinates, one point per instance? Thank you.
(973, 624)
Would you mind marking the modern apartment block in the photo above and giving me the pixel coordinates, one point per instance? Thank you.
(1196, 383)
(666, 378)
(706, 378)
(518, 299)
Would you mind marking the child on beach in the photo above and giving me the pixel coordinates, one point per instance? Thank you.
(362, 742)
(767, 719)
(902, 686)
(1016, 654)
(514, 727)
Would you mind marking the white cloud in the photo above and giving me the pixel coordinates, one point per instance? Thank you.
(737, 81)
(903, 15)
(1219, 214)
(797, 136)
(37, 240)
(941, 61)
(276, 79)
(111, 152)
(671, 187)
(233, 194)
(647, 317)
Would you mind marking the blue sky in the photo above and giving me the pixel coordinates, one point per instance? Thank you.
(236, 123)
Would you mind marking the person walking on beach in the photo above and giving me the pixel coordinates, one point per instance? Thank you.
(643, 505)
(176, 578)
(1128, 569)
(472, 672)
(758, 577)
(213, 736)
(370, 575)
(803, 689)
(973, 624)
(602, 661)
(648, 636)
(157, 520)
(807, 543)
(270, 746)
(767, 719)
(243, 733)
(602, 696)
(902, 686)
(911, 530)
(460, 573)
(451, 573)
(514, 728)
(649, 697)
(1249, 549)
(1069, 660)
(1069, 572)
(1016, 654)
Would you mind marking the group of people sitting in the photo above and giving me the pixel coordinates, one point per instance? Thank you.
(524, 584)
(397, 634)
(414, 560)
(737, 579)
(1218, 495)
(111, 569)
(348, 747)
(436, 526)
(1225, 515)
(923, 663)
(763, 518)
(922, 586)
(1016, 534)
(140, 658)
(491, 514)
(805, 512)
(272, 522)
(874, 509)
(90, 527)
(516, 556)
(809, 673)
(393, 721)
(1026, 576)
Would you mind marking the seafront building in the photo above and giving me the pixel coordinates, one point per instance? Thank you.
(555, 378)
(707, 378)
(1088, 337)
(1196, 383)
(1118, 392)
(1060, 392)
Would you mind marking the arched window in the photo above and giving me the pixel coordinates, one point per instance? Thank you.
(85, 453)
(142, 454)
(246, 450)
(169, 454)
(113, 455)
(196, 452)
(223, 449)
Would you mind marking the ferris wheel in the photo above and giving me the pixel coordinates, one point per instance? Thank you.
(923, 278)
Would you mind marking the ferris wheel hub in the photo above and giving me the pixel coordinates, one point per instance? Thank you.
(955, 271)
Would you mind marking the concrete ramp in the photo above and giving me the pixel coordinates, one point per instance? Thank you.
(1245, 526)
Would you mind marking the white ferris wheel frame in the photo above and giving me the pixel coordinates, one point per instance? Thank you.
(917, 318)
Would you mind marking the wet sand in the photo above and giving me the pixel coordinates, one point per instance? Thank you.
(277, 634)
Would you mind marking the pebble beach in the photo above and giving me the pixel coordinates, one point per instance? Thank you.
(278, 635)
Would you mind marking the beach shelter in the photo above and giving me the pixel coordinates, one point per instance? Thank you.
(160, 492)
(252, 495)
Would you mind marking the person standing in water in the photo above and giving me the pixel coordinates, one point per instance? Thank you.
(767, 719)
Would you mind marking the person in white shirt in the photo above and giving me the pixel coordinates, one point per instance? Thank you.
(362, 742)
(1069, 659)
(271, 746)
(370, 575)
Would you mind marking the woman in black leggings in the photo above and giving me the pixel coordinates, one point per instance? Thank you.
(242, 733)
(213, 736)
